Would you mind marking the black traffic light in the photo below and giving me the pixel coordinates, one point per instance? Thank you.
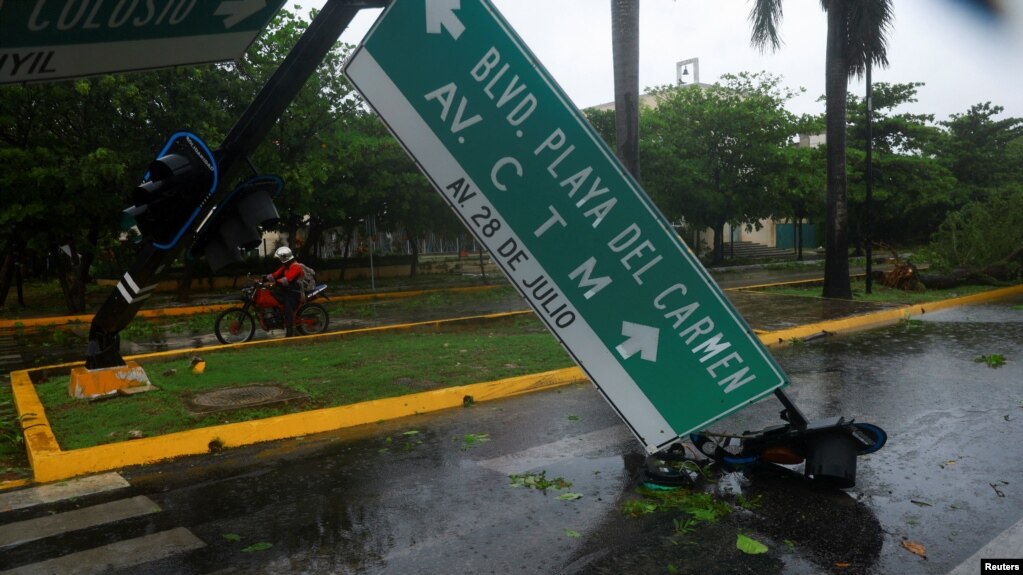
(174, 190)
(236, 223)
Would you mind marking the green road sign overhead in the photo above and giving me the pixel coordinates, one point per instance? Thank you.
(56, 39)
(572, 230)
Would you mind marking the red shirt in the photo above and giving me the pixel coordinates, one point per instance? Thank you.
(289, 274)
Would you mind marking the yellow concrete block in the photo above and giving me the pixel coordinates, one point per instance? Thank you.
(90, 383)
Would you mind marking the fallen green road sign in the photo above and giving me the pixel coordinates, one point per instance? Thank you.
(57, 39)
(573, 231)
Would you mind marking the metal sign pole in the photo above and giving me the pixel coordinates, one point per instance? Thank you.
(275, 96)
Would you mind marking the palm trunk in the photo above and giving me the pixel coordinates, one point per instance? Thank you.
(718, 253)
(185, 283)
(625, 50)
(836, 236)
(6, 275)
(414, 268)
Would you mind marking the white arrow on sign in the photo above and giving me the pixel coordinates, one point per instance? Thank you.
(441, 13)
(642, 339)
(238, 10)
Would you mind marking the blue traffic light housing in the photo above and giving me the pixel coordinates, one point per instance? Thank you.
(174, 191)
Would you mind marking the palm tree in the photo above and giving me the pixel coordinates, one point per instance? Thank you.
(857, 31)
(625, 50)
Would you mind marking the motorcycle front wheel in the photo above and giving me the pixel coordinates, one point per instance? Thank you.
(234, 325)
(312, 318)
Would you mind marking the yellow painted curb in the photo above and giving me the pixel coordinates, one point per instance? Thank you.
(880, 318)
(50, 463)
(14, 484)
(758, 287)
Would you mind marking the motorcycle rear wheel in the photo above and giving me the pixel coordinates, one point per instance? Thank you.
(234, 325)
(312, 318)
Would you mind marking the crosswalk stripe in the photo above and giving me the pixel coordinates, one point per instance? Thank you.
(120, 555)
(50, 525)
(549, 453)
(1007, 544)
(54, 492)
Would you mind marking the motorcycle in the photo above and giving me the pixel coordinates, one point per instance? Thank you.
(259, 305)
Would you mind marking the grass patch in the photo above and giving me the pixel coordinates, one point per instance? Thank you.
(882, 294)
(329, 372)
(370, 309)
(13, 458)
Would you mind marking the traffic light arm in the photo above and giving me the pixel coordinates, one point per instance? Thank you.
(257, 120)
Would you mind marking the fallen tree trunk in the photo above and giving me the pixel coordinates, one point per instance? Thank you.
(993, 276)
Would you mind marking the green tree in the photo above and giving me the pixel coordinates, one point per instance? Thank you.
(983, 240)
(710, 153)
(983, 152)
(603, 122)
(799, 183)
(912, 190)
(82, 146)
(378, 180)
(305, 146)
(857, 32)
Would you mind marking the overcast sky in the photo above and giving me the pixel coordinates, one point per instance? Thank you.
(963, 56)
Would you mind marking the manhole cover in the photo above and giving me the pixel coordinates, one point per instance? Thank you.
(241, 398)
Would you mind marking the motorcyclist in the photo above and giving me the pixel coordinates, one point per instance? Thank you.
(287, 287)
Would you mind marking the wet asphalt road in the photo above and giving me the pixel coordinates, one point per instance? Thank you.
(431, 494)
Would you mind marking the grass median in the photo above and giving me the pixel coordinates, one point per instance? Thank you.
(329, 372)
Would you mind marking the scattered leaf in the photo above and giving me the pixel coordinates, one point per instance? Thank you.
(474, 439)
(263, 546)
(914, 548)
(570, 533)
(701, 514)
(684, 526)
(994, 361)
(842, 565)
(750, 503)
(411, 432)
(538, 481)
(672, 568)
(232, 536)
(749, 546)
(573, 418)
(569, 496)
(790, 544)
(636, 507)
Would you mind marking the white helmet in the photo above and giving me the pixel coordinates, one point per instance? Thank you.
(284, 254)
